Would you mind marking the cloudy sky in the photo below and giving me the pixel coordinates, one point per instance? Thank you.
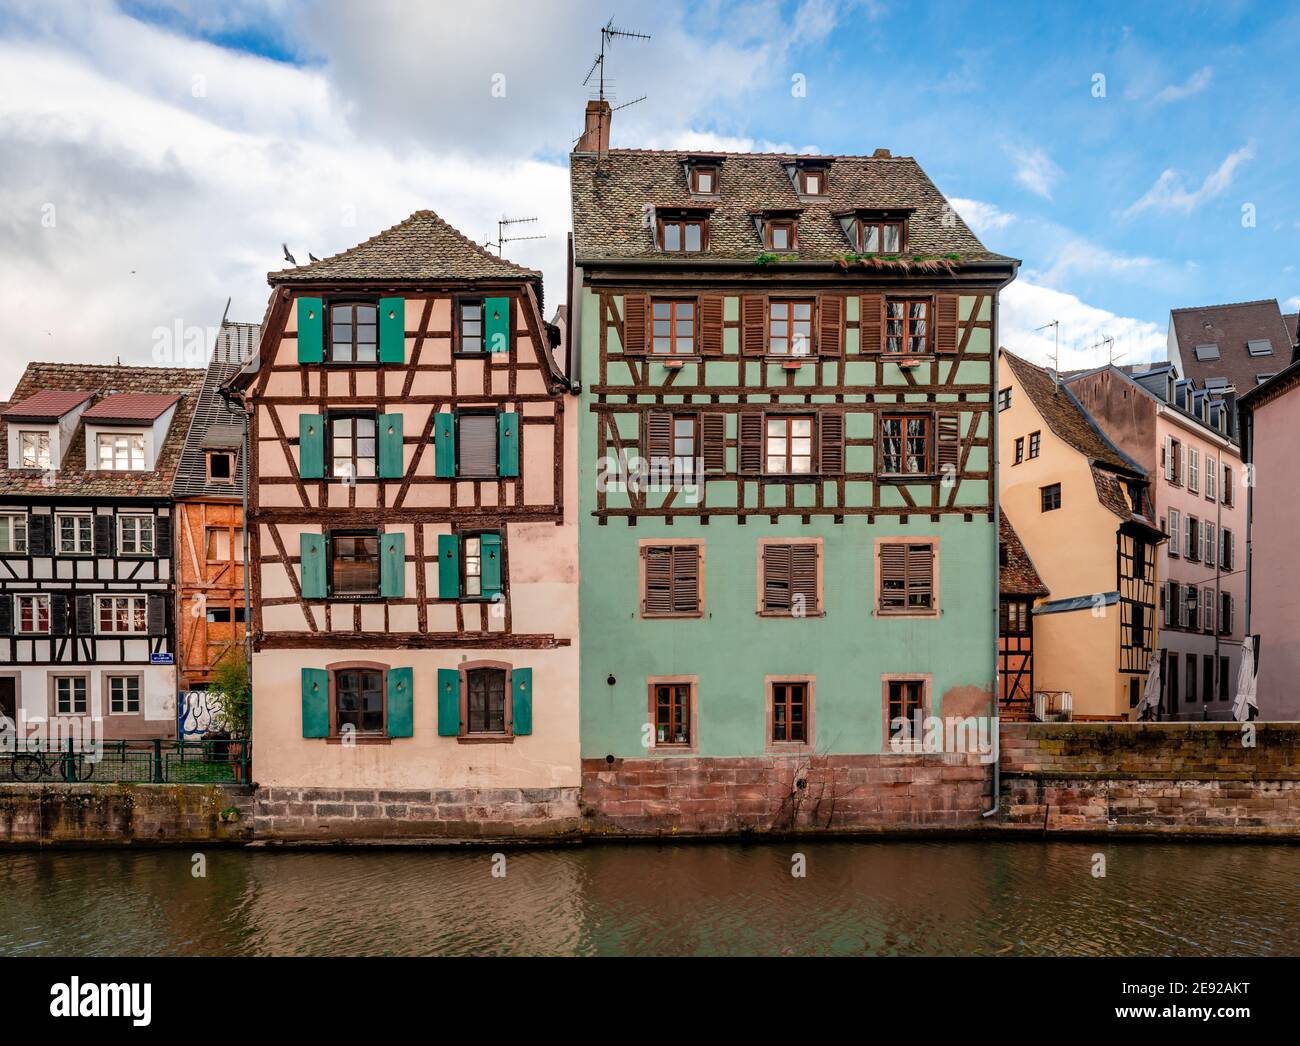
(155, 154)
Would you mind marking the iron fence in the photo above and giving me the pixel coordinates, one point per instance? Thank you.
(156, 761)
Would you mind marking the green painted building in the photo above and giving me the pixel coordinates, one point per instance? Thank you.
(788, 531)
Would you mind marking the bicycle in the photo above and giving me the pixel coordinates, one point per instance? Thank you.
(64, 766)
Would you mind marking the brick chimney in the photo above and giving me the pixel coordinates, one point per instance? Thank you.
(595, 135)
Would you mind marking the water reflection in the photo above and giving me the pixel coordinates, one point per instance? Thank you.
(874, 898)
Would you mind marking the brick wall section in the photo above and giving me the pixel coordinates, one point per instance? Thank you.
(717, 796)
(123, 814)
(1190, 778)
(375, 815)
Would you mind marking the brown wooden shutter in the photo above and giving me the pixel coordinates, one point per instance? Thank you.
(947, 441)
(803, 575)
(659, 435)
(753, 324)
(946, 323)
(776, 577)
(831, 448)
(893, 574)
(872, 323)
(830, 325)
(713, 432)
(920, 576)
(711, 324)
(658, 595)
(636, 311)
(686, 579)
(751, 443)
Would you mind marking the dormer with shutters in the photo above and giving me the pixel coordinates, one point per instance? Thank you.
(414, 560)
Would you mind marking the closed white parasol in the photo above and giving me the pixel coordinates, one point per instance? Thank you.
(1245, 700)
(1149, 706)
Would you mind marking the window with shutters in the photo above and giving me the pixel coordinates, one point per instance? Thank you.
(1013, 617)
(1050, 497)
(481, 564)
(905, 703)
(789, 578)
(907, 326)
(790, 712)
(476, 444)
(1035, 443)
(120, 451)
(357, 701)
(353, 442)
(905, 444)
(1192, 545)
(13, 532)
(907, 576)
(34, 450)
(1211, 478)
(789, 327)
(123, 694)
(1209, 541)
(70, 695)
(673, 711)
(1225, 613)
(354, 563)
(1175, 522)
(75, 533)
(1228, 550)
(469, 326)
(672, 447)
(221, 466)
(33, 615)
(674, 328)
(1020, 450)
(1225, 495)
(780, 234)
(672, 579)
(486, 696)
(879, 235)
(135, 535)
(788, 444)
(1193, 470)
(354, 332)
(123, 615)
(1174, 463)
(681, 235)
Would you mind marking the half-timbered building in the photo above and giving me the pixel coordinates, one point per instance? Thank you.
(787, 502)
(209, 495)
(1020, 588)
(87, 622)
(413, 546)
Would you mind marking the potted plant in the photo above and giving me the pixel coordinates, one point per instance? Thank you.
(230, 682)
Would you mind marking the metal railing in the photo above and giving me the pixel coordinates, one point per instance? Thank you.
(156, 761)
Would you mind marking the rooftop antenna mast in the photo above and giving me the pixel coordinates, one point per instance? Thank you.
(1056, 355)
(609, 32)
(502, 239)
(1109, 342)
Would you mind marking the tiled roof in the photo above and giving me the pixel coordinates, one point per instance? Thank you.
(104, 380)
(215, 424)
(1292, 321)
(1229, 328)
(1017, 576)
(48, 406)
(612, 194)
(423, 247)
(137, 407)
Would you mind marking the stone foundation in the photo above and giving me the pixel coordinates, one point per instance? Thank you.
(777, 794)
(376, 815)
(1188, 778)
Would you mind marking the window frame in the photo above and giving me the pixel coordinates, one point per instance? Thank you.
(864, 222)
(1019, 451)
(886, 416)
(1035, 444)
(809, 742)
(361, 737)
(38, 600)
(137, 518)
(55, 698)
(914, 744)
(698, 169)
(458, 326)
(43, 450)
(134, 677)
(131, 599)
(506, 735)
(662, 222)
(1043, 495)
(788, 438)
(822, 174)
(131, 437)
(1004, 399)
(643, 551)
(905, 351)
(878, 609)
(673, 319)
(788, 225)
(790, 336)
(331, 456)
(89, 518)
(692, 743)
(352, 303)
(230, 455)
(762, 608)
(16, 518)
(331, 543)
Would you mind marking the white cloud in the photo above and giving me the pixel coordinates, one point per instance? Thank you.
(1195, 84)
(1076, 256)
(1169, 192)
(1025, 306)
(980, 216)
(1292, 303)
(1034, 169)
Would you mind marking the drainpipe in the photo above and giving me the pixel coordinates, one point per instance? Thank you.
(997, 572)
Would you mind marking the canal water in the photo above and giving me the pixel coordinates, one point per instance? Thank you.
(987, 897)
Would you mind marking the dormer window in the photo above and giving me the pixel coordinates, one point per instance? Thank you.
(34, 450)
(121, 451)
(879, 235)
(780, 234)
(812, 181)
(221, 466)
(704, 180)
(678, 235)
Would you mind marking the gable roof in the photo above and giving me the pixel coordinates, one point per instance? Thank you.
(423, 247)
(135, 407)
(1228, 328)
(1017, 575)
(179, 385)
(611, 192)
(48, 405)
(215, 424)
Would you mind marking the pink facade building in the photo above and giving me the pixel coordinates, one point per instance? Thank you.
(1185, 438)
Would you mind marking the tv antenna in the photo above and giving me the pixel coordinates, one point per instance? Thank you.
(502, 239)
(1056, 356)
(1109, 342)
(609, 32)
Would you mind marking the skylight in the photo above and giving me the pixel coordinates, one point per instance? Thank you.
(1207, 352)
(1259, 347)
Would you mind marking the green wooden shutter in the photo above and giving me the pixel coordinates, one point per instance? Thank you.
(392, 459)
(521, 687)
(315, 702)
(448, 566)
(448, 702)
(401, 708)
(507, 444)
(444, 445)
(311, 330)
(312, 552)
(392, 330)
(496, 324)
(490, 547)
(311, 446)
(392, 566)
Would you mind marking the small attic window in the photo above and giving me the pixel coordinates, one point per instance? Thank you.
(1259, 347)
(1207, 352)
(680, 234)
(780, 234)
(704, 180)
(221, 466)
(812, 181)
(879, 235)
